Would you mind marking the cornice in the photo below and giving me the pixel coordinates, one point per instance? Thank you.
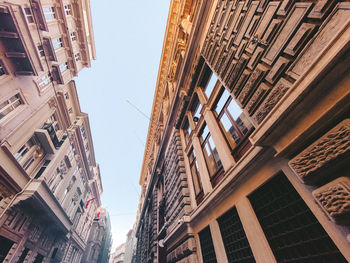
(164, 67)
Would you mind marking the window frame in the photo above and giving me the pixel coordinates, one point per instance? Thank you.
(215, 176)
(192, 160)
(49, 13)
(57, 43)
(238, 148)
(3, 70)
(68, 10)
(29, 16)
(11, 104)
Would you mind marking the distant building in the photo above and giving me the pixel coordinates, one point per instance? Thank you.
(118, 255)
(99, 241)
(130, 246)
(48, 170)
(247, 153)
(106, 241)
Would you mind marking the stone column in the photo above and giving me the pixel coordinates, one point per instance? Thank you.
(217, 242)
(255, 235)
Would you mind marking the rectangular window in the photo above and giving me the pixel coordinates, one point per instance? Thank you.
(45, 80)
(210, 85)
(233, 121)
(234, 238)
(187, 131)
(293, 232)
(210, 153)
(2, 69)
(68, 10)
(29, 15)
(66, 95)
(73, 36)
(196, 109)
(64, 67)
(77, 56)
(49, 13)
(57, 43)
(10, 105)
(197, 184)
(41, 51)
(82, 131)
(207, 247)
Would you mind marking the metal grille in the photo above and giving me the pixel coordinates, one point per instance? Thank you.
(207, 247)
(235, 241)
(293, 232)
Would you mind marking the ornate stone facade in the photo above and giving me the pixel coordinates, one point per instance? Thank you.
(251, 104)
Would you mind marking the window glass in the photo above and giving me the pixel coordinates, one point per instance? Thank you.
(10, 105)
(211, 84)
(29, 15)
(57, 43)
(49, 12)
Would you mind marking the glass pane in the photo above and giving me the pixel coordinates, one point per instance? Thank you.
(197, 112)
(224, 97)
(205, 133)
(234, 109)
(226, 122)
(215, 152)
(211, 84)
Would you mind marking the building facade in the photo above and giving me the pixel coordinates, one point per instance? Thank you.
(130, 246)
(100, 239)
(248, 142)
(48, 170)
(118, 255)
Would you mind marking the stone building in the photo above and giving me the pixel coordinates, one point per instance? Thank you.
(100, 239)
(48, 170)
(249, 137)
(130, 246)
(118, 255)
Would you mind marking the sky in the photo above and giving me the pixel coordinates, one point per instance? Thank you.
(129, 38)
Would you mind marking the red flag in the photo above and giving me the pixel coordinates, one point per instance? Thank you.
(98, 215)
(88, 202)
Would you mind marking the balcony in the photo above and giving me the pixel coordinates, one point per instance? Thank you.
(14, 48)
(49, 49)
(39, 15)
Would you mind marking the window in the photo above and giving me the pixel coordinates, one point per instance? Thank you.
(70, 110)
(73, 36)
(57, 43)
(233, 121)
(77, 56)
(49, 13)
(291, 229)
(196, 109)
(82, 131)
(210, 86)
(44, 80)
(68, 10)
(66, 95)
(187, 131)
(28, 152)
(210, 153)
(41, 50)
(207, 247)
(64, 67)
(2, 69)
(197, 184)
(10, 105)
(29, 15)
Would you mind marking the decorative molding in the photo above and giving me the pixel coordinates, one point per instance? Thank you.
(332, 150)
(272, 99)
(334, 199)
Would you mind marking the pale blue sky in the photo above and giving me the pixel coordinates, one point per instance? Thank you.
(129, 37)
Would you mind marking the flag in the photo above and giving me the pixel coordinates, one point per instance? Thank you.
(88, 202)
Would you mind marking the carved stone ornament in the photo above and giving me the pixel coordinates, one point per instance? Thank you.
(272, 99)
(331, 151)
(334, 199)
